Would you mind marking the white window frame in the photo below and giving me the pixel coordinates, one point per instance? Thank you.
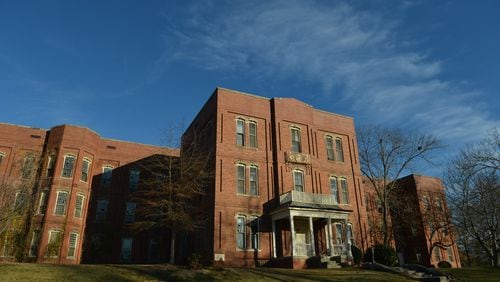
(71, 171)
(295, 184)
(240, 134)
(51, 162)
(72, 248)
(330, 152)
(334, 192)
(51, 234)
(339, 149)
(42, 202)
(85, 172)
(255, 234)
(297, 142)
(107, 176)
(344, 190)
(253, 180)
(79, 210)
(241, 230)
(252, 137)
(339, 238)
(28, 166)
(57, 204)
(35, 238)
(241, 179)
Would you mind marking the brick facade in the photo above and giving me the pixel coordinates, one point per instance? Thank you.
(286, 187)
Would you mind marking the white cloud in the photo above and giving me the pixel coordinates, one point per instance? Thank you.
(331, 45)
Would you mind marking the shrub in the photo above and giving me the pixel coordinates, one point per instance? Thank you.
(383, 254)
(195, 261)
(356, 254)
(444, 264)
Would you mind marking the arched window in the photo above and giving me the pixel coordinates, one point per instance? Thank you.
(85, 170)
(329, 148)
(69, 163)
(254, 180)
(240, 179)
(240, 132)
(252, 134)
(107, 176)
(334, 189)
(340, 150)
(345, 193)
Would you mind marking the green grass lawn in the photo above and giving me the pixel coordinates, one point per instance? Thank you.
(475, 273)
(165, 272)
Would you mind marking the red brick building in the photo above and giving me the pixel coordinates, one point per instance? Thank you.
(286, 188)
(420, 222)
(70, 167)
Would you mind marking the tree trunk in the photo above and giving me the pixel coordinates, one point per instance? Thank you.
(172, 247)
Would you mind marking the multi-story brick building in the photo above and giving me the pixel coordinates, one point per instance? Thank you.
(69, 165)
(419, 221)
(285, 187)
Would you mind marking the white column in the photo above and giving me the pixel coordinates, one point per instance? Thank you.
(273, 236)
(330, 233)
(311, 236)
(292, 230)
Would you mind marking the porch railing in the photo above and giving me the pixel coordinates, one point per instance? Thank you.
(308, 198)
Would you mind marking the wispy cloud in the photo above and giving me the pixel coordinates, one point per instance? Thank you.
(338, 47)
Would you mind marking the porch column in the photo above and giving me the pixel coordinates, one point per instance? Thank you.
(273, 237)
(329, 228)
(311, 235)
(347, 243)
(328, 237)
(292, 231)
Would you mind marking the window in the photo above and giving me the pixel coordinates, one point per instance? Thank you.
(79, 205)
(34, 243)
(425, 200)
(107, 175)
(62, 199)
(340, 150)
(296, 145)
(254, 233)
(254, 180)
(419, 257)
(50, 165)
(329, 148)
(102, 209)
(298, 180)
(439, 203)
(130, 213)
(252, 133)
(28, 164)
(345, 193)
(54, 243)
(437, 254)
(241, 232)
(69, 163)
(73, 241)
(450, 254)
(240, 176)
(19, 201)
(2, 155)
(338, 233)
(42, 204)
(334, 190)
(133, 180)
(85, 170)
(126, 253)
(240, 132)
(349, 236)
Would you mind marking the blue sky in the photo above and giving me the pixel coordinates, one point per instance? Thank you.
(129, 69)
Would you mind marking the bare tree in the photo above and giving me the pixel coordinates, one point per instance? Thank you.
(171, 199)
(386, 153)
(473, 181)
